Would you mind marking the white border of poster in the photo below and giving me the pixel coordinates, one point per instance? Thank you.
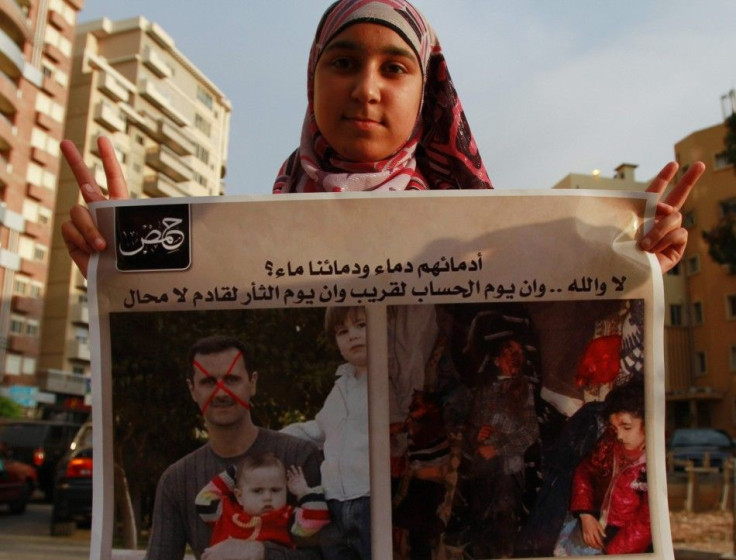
(377, 251)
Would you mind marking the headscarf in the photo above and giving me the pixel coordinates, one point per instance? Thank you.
(440, 153)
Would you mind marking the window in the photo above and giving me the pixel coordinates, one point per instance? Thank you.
(202, 124)
(732, 357)
(675, 270)
(700, 363)
(688, 220)
(204, 97)
(32, 328)
(79, 370)
(731, 306)
(727, 207)
(720, 161)
(17, 324)
(20, 285)
(693, 265)
(698, 313)
(28, 366)
(202, 154)
(13, 364)
(676, 315)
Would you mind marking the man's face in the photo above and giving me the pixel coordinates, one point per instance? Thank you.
(262, 489)
(221, 387)
(510, 359)
(629, 430)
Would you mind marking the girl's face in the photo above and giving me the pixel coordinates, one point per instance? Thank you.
(629, 430)
(262, 489)
(367, 92)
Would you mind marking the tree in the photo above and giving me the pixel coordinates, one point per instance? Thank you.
(9, 408)
(722, 238)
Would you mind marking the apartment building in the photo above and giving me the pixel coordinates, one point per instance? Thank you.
(36, 38)
(709, 399)
(170, 127)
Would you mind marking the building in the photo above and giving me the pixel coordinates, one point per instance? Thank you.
(36, 38)
(170, 126)
(708, 398)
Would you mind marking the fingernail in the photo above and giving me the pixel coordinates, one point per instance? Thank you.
(88, 188)
(99, 243)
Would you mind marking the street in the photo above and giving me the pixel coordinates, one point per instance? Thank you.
(26, 537)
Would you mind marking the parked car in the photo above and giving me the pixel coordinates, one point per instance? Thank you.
(695, 444)
(73, 487)
(40, 443)
(17, 481)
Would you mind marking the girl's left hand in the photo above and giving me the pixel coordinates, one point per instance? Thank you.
(668, 239)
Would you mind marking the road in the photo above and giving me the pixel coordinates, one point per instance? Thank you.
(26, 537)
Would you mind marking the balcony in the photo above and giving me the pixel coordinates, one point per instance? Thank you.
(175, 138)
(47, 123)
(36, 269)
(9, 260)
(53, 52)
(109, 117)
(58, 381)
(13, 21)
(111, 86)
(151, 93)
(42, 156)
(27, 305)
(36, 230)
(166, 161)
(155, 63)
(79, 313)
(11, 56)
(7, 133)
(77, 350)
(11, 220)
(58, 21)
(23, 344)
(41, 194)
(51, 87)
(159, 185)
(8, 95)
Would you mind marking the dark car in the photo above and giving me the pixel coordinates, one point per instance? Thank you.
(700, 445)
(40, 443)
(73, 488)
(17, 481)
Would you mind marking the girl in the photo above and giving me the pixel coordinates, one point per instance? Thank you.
(382, 114)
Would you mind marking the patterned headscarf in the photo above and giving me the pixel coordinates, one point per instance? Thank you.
(440, 153)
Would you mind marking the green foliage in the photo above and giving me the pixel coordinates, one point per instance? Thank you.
(730, 139)
(155, 419)
(9, 408)
(722, 242)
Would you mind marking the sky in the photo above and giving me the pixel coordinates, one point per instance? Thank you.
(549, 87)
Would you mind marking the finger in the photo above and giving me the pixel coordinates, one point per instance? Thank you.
(652, 241)
(77, 246)
(663, 178)
(678, 195)
(90, 190)
(116, 186)
(82, 220)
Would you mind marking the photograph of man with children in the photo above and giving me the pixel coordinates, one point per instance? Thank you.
(516, 430)
(523, 434)
(242, 433)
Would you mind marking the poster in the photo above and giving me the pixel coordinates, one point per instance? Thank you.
(496, 328)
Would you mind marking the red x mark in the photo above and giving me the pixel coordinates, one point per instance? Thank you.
(221, 385)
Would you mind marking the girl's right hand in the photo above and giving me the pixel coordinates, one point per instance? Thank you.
(80, 234)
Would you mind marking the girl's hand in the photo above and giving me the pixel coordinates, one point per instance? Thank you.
(593, 532)
(80, 234)
(668, 239)
(295, 481)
